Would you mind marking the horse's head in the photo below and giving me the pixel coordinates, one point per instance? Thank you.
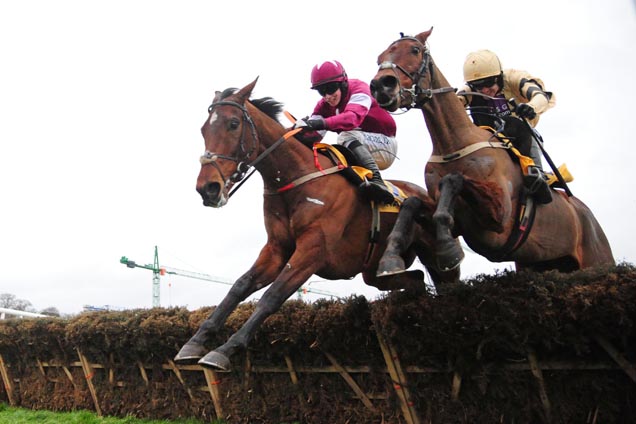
(230, 142)
(404, 67)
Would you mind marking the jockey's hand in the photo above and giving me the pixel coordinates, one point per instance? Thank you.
(300, 123)
(316, 123)
(524, 110)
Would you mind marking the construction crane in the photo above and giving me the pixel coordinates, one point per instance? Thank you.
(158, 271)
(304, 289)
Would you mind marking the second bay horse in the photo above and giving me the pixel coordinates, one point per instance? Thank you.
(476, 185)
(316, 221)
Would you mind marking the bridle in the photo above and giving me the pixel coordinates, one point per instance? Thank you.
(242, 165)
(418, 95)
(244, 152)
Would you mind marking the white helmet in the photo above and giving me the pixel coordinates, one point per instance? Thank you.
(481, 64)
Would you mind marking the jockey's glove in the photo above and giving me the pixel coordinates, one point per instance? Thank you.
(524, 110)
(316, 123)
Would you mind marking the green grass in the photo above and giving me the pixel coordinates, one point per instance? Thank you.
(11, 415)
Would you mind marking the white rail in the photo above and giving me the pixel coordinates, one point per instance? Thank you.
(6, 311)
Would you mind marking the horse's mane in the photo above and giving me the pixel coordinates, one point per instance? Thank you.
(267, 105)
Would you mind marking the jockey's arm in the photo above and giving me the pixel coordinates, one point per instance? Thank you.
(537, 97)
(527, 88)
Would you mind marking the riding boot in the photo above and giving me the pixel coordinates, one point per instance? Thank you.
(537, 186)
(375, 187)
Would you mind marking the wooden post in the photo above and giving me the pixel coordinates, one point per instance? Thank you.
(247, 372)
(213, 384)
(177, 372)
(69, 375)
(41, 368)
(629, 369)
(8, 384)
(399, 381)
(351, 382)
(143, 373)
(457, 384)
(294, 378)
(543, 395)
(111, 369)
(292, 372)
(89, 373)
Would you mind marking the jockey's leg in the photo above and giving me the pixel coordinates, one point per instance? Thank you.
(523, 139)
(535, 181)
(375, 188)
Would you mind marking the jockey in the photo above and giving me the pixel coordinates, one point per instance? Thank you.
(367, 130)
(484, 75)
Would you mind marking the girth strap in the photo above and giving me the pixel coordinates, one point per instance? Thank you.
(468, 150)
(523, 224)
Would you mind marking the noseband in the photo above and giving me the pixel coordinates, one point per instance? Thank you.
(244, 154)
(419, 95)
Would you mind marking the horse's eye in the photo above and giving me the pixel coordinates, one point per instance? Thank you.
(415, 50)
(234, 124)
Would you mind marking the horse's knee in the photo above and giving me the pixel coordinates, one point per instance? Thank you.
(412, 204)
(443, 218)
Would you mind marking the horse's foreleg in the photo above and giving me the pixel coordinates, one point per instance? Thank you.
(300, 267)
(448, 251)
(264, 270)
(400, 239)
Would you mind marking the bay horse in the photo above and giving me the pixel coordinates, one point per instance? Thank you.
(317, 222)
(477, 185)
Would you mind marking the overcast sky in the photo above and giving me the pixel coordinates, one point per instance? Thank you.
(101, 105)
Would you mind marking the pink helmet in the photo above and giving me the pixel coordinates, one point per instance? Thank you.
(329, 71)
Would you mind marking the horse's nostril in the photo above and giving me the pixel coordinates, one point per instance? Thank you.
(389, 82)
(210, 191)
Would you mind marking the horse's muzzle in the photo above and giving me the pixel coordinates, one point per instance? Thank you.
(385, 90)
(212, 194)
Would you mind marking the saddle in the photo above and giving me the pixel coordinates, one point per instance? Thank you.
(526, 161)
(355, 174)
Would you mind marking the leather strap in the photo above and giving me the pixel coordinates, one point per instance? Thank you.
(468, 150)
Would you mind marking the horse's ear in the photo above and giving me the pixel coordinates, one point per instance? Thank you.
(423, 36)
(246, 91)
(217, 96)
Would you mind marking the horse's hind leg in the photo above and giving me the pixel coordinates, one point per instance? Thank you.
(449, 252)
(400, 239)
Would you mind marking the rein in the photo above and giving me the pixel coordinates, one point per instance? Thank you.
(416, 92)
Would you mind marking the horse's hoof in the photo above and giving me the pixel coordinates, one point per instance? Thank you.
(449, 257)
(190, 353)
(216, 360)
(390, 265)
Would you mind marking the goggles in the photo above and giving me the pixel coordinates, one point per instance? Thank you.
(329, 88)
(483, 83)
